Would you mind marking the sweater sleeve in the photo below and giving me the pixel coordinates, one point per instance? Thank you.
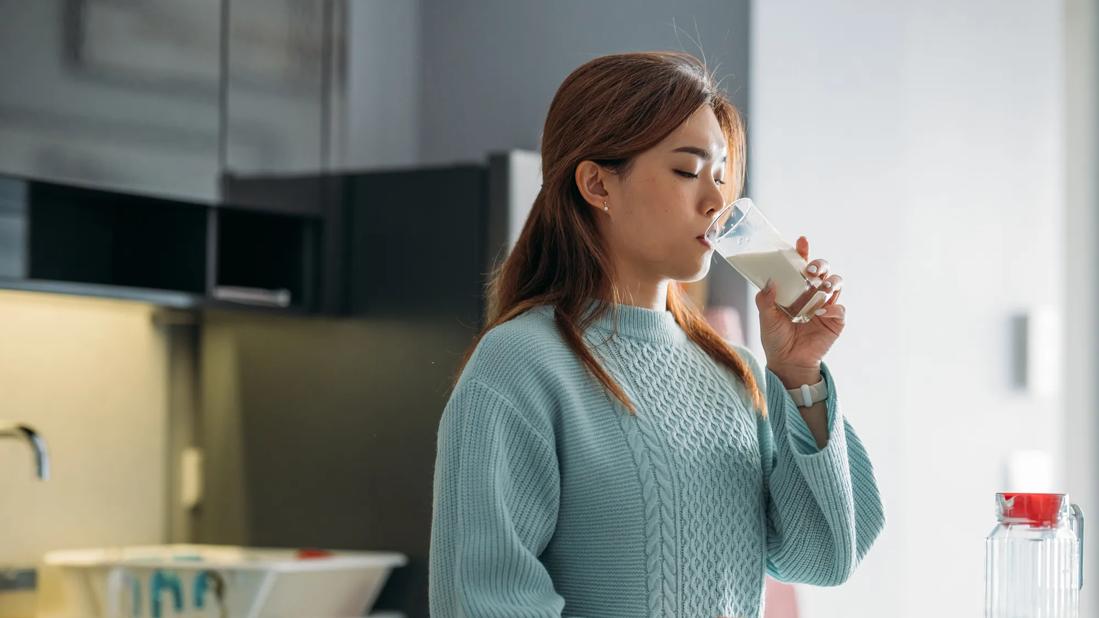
(495, 503)
(824, 510)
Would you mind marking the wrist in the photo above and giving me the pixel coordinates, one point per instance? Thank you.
(794, 376)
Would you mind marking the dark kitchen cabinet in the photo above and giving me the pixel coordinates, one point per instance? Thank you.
(96, 237)
(381, 244)
(417, 242)
(265, 259)
(65, 239)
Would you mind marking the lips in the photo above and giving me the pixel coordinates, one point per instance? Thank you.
(702, 239)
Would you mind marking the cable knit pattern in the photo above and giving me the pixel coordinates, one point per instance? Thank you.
(552, 500)
(656, 490)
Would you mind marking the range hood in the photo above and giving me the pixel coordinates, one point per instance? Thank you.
(190, 100)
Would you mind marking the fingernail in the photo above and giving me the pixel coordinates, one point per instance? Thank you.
(820, 311)
(827, 284)
(813, 268)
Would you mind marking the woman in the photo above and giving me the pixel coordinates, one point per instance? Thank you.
(604, 452)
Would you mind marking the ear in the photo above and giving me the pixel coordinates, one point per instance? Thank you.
(591, 179)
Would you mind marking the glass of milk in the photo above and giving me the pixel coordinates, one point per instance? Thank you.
(744, 238)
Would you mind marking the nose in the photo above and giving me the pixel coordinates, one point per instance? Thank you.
(714, 200)
(719, 218)
(712, 208)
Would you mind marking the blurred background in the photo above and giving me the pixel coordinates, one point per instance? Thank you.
(243, 244)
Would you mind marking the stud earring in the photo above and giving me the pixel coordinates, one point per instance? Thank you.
(605, 209)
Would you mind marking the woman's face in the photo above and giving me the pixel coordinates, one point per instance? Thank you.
(658, 212)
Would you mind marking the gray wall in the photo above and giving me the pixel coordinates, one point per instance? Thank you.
(491, 67)
(433, 82)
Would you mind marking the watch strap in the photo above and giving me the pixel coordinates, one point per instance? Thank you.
(806, 395)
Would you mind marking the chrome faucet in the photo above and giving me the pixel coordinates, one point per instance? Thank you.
(34, 440)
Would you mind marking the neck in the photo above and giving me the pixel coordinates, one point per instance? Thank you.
(644, 293)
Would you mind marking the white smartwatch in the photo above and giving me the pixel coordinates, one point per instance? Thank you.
(806, 395)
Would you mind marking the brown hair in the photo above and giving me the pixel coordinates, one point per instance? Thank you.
(609, 110)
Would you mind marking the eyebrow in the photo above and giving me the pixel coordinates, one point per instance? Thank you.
(698, 152)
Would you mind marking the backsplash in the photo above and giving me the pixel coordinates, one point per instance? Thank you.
(91, 376)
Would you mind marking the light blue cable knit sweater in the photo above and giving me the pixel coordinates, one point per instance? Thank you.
(552, 500)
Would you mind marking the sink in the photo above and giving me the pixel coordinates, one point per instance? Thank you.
(17, 591)
(18, 578)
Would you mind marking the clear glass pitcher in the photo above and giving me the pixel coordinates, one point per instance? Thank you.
(1034, 557)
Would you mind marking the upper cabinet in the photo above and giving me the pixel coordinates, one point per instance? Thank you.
(181, 100)
(244, 152)
(65, 239)
(121, 96)
(277, 69)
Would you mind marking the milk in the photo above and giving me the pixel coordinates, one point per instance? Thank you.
(785, 266)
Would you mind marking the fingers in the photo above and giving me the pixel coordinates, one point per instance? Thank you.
(832, 284)
(832, 312)
(833, 318)
(818, 269)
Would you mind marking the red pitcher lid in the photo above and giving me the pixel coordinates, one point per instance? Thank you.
(1033, 509)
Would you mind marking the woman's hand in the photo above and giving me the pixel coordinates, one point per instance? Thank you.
(794, 351)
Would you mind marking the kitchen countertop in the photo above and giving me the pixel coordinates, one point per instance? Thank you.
(18, 594)
(22, 605)
(17, 604)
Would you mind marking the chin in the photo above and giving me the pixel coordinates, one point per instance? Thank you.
(699, 272)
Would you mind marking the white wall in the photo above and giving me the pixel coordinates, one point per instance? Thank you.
(1082, 270)
(919, 147)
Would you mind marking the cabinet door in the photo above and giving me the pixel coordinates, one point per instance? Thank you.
(417, 243)
(13, 228)
(114, 95)
(278, 58)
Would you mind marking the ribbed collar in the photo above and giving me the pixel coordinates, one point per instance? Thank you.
(635, 322)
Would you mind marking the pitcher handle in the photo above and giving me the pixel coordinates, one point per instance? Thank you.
(1078, 525)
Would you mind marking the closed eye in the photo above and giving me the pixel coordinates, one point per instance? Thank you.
(690, 175)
